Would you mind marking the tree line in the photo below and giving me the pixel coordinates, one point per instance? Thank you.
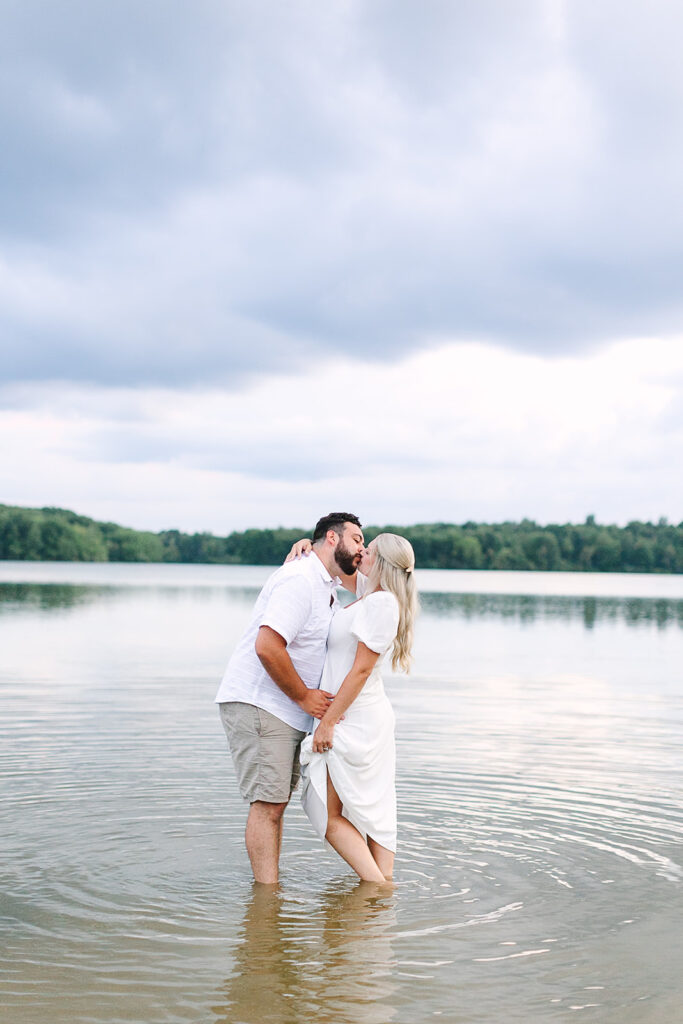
(53, 534)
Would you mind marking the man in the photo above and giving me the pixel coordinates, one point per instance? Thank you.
(269, 694)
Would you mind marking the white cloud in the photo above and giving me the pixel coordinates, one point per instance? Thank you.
(271, 259)
(462, 431)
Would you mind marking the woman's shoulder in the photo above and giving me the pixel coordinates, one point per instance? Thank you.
(381, 606)
(376, 620)
(381, 599)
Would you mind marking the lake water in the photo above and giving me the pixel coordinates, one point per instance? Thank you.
(540, 782)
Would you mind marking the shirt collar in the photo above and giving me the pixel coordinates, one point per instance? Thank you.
(332, 581)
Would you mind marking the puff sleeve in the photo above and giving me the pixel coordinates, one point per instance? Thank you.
(376, 621)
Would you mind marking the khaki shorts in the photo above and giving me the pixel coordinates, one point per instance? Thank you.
(265, 752)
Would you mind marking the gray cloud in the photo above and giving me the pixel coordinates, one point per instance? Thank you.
(200, 193)
(274, 458)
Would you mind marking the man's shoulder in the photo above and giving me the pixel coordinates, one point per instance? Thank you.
(296, 574)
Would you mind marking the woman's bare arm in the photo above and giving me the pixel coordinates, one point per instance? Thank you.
(299, 548)
(363, 664)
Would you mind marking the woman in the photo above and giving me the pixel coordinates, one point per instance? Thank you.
(348, 764)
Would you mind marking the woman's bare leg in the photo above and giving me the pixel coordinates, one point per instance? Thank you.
(347, 840)
(384, 859)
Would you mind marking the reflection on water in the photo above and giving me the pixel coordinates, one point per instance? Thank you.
(524, 608)
(539, 874)
(328, 960)
(52, 595)
(46, 596)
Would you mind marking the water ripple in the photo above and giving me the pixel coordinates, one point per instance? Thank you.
(540, 832)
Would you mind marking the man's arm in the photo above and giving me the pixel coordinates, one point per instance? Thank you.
(271, 650)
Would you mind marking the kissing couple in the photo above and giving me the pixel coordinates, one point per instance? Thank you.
(303, 696)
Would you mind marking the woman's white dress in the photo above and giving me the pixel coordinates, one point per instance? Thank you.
(362, 760)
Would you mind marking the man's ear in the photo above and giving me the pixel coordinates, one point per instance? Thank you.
(331, 536)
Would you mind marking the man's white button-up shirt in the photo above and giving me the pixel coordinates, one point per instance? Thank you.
(298, 602)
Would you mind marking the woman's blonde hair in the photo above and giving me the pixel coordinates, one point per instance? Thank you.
(394, 571)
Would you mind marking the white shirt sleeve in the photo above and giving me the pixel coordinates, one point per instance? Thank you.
(376, 621)
(289, 607)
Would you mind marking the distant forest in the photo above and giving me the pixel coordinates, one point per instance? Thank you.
(54, 534)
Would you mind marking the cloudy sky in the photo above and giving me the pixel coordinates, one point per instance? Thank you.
(422, 261)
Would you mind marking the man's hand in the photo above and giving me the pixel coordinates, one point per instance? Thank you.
(271, 650)
(316, 702)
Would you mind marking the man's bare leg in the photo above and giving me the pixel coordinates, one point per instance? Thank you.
(383, 858)
(279, 837)
(263, 838)
(347, 840)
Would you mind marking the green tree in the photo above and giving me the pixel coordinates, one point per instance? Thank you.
(59, 534)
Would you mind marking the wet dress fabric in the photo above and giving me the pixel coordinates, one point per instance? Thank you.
(362, 761)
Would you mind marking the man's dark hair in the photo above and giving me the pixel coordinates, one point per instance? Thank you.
(334, 521)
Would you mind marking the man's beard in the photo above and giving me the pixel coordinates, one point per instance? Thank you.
(345, 559)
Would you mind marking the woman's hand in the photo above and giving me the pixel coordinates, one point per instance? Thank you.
(302, 547)
(322, 738)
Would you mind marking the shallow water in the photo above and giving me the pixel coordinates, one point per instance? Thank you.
(539, 874)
